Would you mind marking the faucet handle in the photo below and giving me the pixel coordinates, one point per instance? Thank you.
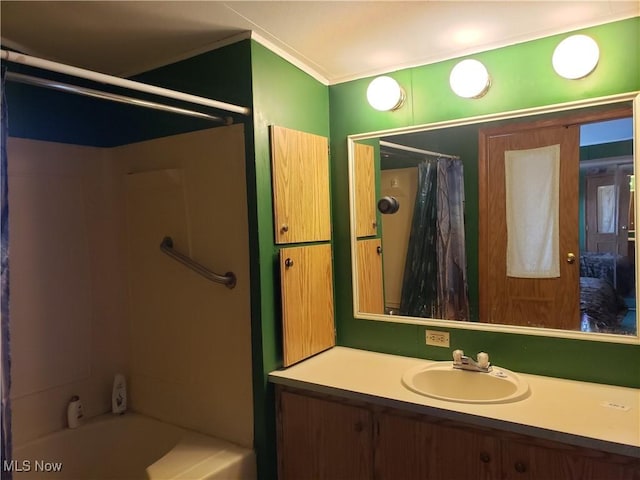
(457, 356)
(483, 360)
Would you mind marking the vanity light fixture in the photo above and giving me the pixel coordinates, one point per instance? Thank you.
(575, 57)
(469, 79)
(385, 94)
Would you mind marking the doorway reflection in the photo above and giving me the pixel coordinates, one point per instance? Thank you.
(607, 238)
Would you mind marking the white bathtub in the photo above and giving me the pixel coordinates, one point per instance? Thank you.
(131, 447)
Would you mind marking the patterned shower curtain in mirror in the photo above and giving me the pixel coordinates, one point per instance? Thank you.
(4, 311)
(435, 275)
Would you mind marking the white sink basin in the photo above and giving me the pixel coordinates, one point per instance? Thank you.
(440, 380)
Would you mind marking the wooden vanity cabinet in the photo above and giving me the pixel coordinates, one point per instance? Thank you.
(322, 437)
(526, 460)
(413, 448)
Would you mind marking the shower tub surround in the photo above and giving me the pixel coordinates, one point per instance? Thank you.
(131, 447)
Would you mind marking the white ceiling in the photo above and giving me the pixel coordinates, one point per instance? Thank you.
(334, 41)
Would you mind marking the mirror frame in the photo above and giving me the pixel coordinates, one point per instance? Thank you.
(633, 97)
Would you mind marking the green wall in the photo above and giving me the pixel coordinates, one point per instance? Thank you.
(522, 77)
(282, 95)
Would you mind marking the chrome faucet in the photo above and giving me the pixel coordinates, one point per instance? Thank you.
(462, 362)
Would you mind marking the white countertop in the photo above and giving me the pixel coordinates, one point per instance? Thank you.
(556, 409)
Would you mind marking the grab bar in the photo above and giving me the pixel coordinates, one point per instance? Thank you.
(228, 279)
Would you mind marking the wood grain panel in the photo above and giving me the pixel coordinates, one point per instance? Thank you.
(365, 184)
(408, 445)
(370, 287)
(544, 302)
(522, 461)
(306, 277)
(323, 440)
(300, 169)
(411, 449)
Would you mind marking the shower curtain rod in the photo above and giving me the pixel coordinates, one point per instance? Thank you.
(89, 92)
(416, 150)
(14, 57)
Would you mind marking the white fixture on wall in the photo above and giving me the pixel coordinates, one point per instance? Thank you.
(385, 94)
(469, 79)
(575, 57)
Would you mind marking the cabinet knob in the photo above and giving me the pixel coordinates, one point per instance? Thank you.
(379, 250)
(571, 258)
(374, 224)
(284, 228)
(520, 467)
(485, 457)
(288, 263)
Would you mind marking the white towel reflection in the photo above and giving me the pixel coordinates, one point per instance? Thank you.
(532, 207)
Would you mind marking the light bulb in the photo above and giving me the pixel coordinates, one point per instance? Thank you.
(575, 57)
(469, 79)
(384, 94)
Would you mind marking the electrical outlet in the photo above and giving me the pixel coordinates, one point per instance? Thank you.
(439, 339)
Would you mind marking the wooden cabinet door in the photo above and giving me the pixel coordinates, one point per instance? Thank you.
(562, 462)
(365, 193)
(370, 288)
(300, 169)
(306, 278)
(410, 448)
(320, 439)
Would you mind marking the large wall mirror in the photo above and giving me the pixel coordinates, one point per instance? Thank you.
(520, 222)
